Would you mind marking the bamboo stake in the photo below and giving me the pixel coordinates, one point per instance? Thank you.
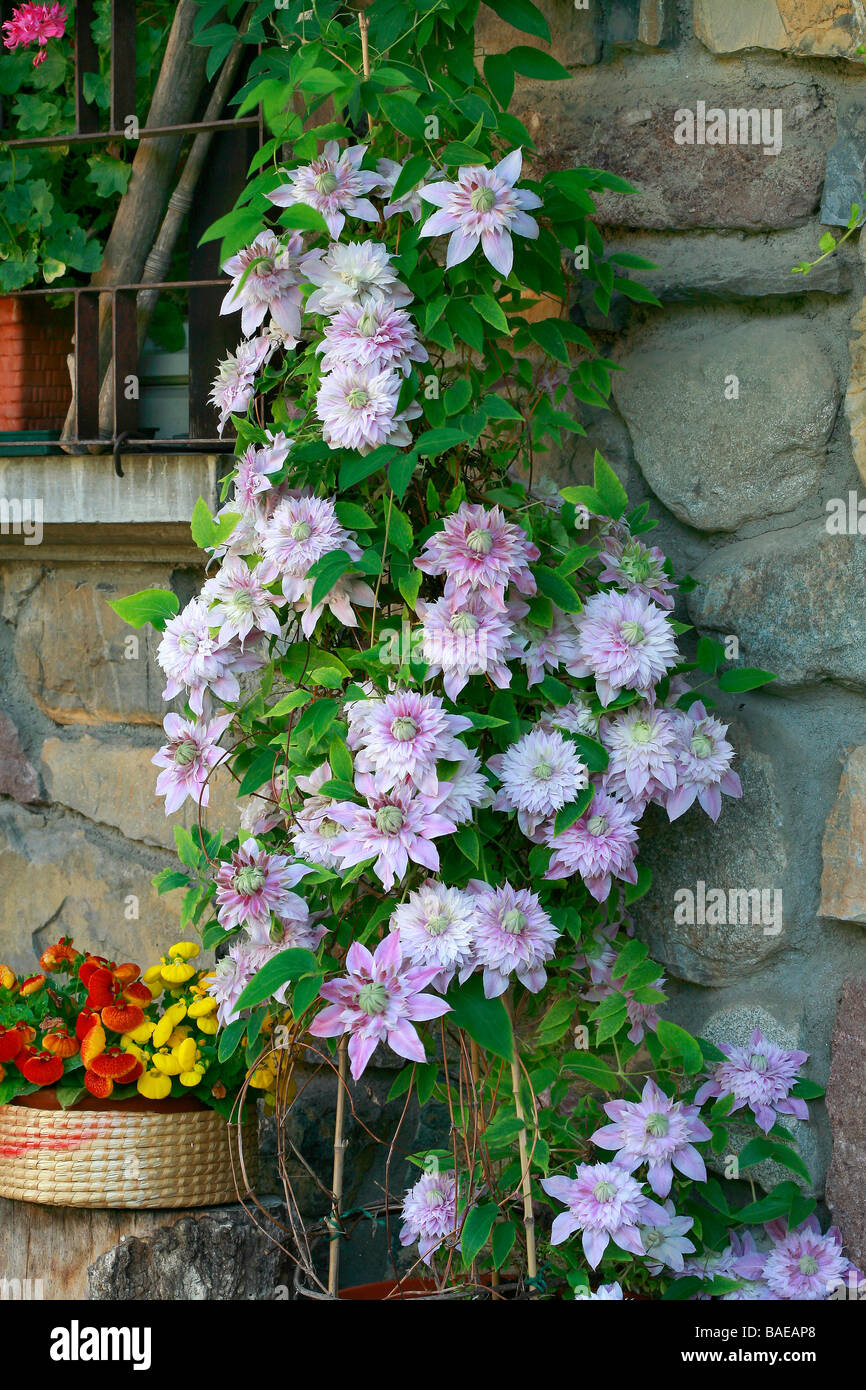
(339, 1162)
(526, 1180)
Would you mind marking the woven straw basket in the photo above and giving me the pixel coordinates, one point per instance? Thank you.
(152, 1154)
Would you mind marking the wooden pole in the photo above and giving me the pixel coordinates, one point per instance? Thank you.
(339, 1163)
(525, 1179)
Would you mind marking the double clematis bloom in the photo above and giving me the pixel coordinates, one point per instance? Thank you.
(759, 1076)
(402, 737)
(513, 936)
(704, 758)
(479, 551)
(188, 759)
(540, 774)
(378, 1000)
(606, 1204)
(430, 1213)
(599, 847)
(393, 827)
(482, 206)
(266, 277)
(256, 884)
(657, 1131)
(436, 927)
(334, 184)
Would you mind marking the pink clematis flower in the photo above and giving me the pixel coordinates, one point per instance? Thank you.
(513, 935)
(626, 643)
(354, 272)
(657, 1131)
(357, 408)
(600, 846)
(378, 1001)
(606, 1204)
(638, 568)
(759, 1076)
(235, 384)
(255, 466)
(375, 335)
(804, 1264)
(703, 756)
(255, 884)
(197, 662)
(393, 827)
(430, 1214)
(334, 184)
(540, 774)
(188, 758)
(436, 926)
(465, 639)
(341, 600)
(266, 277)
(301, 531)
(642, 744)
(482, 206)
(403, 736)
(34, 23)
(543, 649)
(479, 551)
(241, 604)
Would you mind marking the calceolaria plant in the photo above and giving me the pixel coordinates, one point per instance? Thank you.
(449, 692)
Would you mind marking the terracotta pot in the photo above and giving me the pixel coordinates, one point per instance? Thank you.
(34, 342)
(390, 1290)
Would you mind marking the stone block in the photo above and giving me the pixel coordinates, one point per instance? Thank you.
(846, 1195)
(843, 880)
(18, 776)
(807, 28)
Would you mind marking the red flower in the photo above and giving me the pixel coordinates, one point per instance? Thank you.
(42, 1068)
(61, 956)
(32, 984)
(122, 1018)
(11, 1043)
(114, 1062)
(85, 1022)
(59, 1042)
(99, 1086)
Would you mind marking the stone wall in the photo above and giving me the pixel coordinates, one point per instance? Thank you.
(740, 415)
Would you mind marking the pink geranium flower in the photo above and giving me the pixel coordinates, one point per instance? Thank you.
(403, 736)
(377, 1000)
(334, 184)
(478, 550)
(482, 206)
(187, 759)
(606, 1204)
(32, 23)
(393, 827)
(657, 1131)
(266, 278)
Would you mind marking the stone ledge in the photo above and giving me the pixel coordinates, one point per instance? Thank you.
(156, 489)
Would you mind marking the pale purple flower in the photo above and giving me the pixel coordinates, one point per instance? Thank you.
(357, 407)
(577, 717)
(666, 1246)
(263, 811)
(436, 926)
(540, 774)
(358, 272)
(235, 386)
(340, 600)
(317, 833)
(255, 466)
(393, 828)
(301, 531)
(638, 568)
(266, 279)
(804, 1264)
(240, 602)
(467, 790)
(543, 649)
(598, 847)
(642, 745)
(657, 1131)
(255, 884)
(482, 206)
(704, 758)
(403, 736)
(644, 1018)
(334, 184)
(760, 1076)
(377, 1000)
(626, 643)
(513, 935)
(465, 639)
(187, 759)
(605, 1293)
(389, 172)
(229, 979)
(477, 549)
(430, 1213)
(195, 661)
(606, 1204)
(740, 1260)
(374, 335)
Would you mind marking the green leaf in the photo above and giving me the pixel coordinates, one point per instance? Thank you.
(413, 171)
(289, 702)
(457, 397)
(592, 753)
(554, 587)
(502, 1241)
(400, 472)
(677, 1041)
(68, 1092)
(301, 217)
(593, 1069)
(305, 991)
(288, 965)
(230, 1039)
(609, 488)
(110, 176)
(485, 1020)
(468, 843)
(776, 1203)
(573, 811)
(490, 311)
(758, 1150)
(355, 470)
(523, 15)
(327, 572)
(169, 879)
(734, 682)
(404, 116)
(154, 606)
(439, 441)
(476, 1229)
(535, 63)
(354, 518)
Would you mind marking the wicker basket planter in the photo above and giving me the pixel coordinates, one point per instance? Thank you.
(134, 1153)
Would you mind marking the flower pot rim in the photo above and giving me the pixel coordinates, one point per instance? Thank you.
(46, 1099)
